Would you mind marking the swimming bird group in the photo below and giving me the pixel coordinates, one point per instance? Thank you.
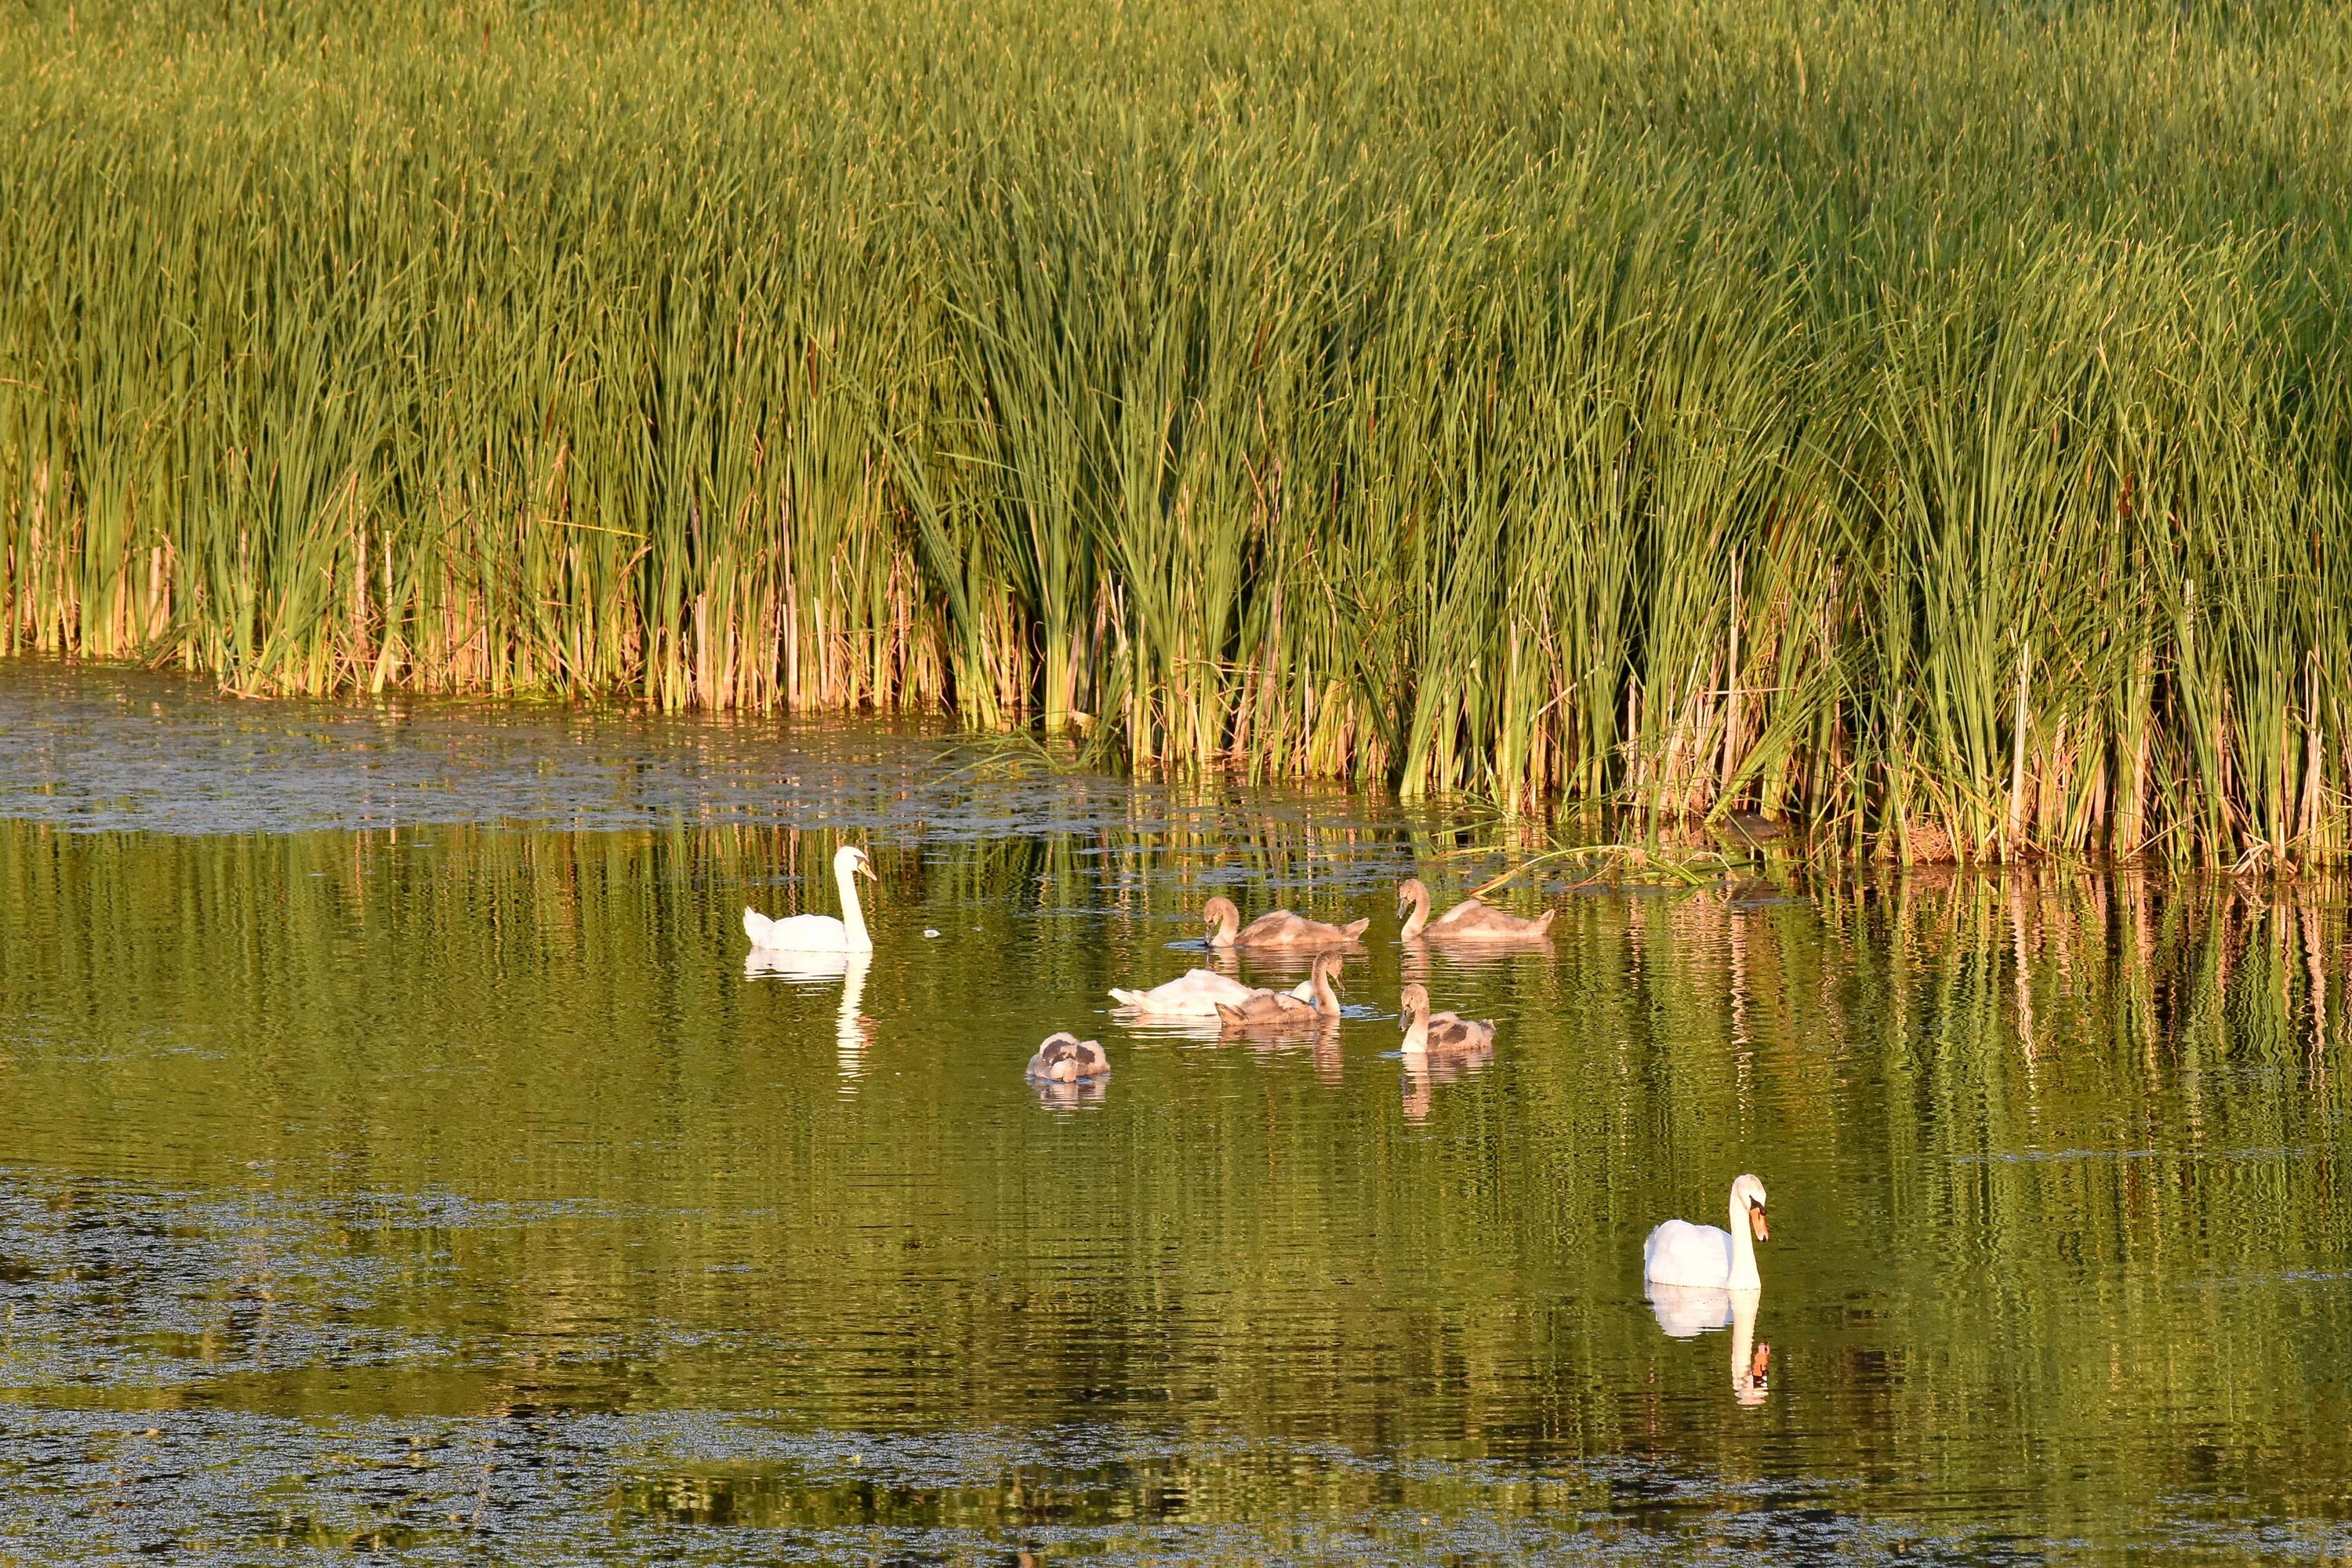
(1205, 994)
(1698, 1276)
(802, 944)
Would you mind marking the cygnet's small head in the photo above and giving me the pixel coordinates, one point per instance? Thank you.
(850, 859)
(1327, 967)
(1411, 891)
(1748, 1192)
(1220, 911)
(1413, 1003)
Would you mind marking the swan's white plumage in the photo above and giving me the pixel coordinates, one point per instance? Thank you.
(819, 933)
(1680, 1253)
(1196, 993)
(797, 934)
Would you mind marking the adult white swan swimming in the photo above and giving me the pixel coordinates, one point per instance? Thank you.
(1196, 993)
(819, 934)
(1680, 1253)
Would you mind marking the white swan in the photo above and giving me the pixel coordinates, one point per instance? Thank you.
(1680, 1253)
(819, 934)
(1196, 993)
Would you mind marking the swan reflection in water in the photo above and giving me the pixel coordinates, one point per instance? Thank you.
(1423, 1070)
(1431, 962)
(1316, 1035)
(852, 1031)
(1687, 1312)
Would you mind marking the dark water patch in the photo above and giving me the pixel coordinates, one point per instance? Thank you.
(101, 749)
(528, 1486)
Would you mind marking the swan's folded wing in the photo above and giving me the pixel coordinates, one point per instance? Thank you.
(1464, 913)
(1192, 995)
(1274, 926)
(1680, 1253)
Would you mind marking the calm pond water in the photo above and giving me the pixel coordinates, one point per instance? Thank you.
(395, 1154)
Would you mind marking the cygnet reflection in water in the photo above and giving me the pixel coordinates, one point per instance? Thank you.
(1422, 1071)
(1433, 964)
(1687, 1312)
(1084, 1092)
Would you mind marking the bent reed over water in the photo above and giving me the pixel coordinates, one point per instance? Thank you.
(1926, 421)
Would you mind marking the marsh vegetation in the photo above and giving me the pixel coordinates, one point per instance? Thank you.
(1927, 420)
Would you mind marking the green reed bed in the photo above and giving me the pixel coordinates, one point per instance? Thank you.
(1927, 420)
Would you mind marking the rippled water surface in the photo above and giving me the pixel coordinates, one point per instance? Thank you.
(395, 1152)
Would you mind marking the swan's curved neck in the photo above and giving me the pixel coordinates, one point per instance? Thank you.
(1326, 999)
(1416, 1030)
(852, 913)
(1418, 921)
(1743, 1249)
(1228, 927)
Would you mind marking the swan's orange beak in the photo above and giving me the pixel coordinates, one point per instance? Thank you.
(865, 870)
(1756, 1222)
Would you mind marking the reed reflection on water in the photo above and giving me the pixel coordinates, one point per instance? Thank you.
(461, 1190)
